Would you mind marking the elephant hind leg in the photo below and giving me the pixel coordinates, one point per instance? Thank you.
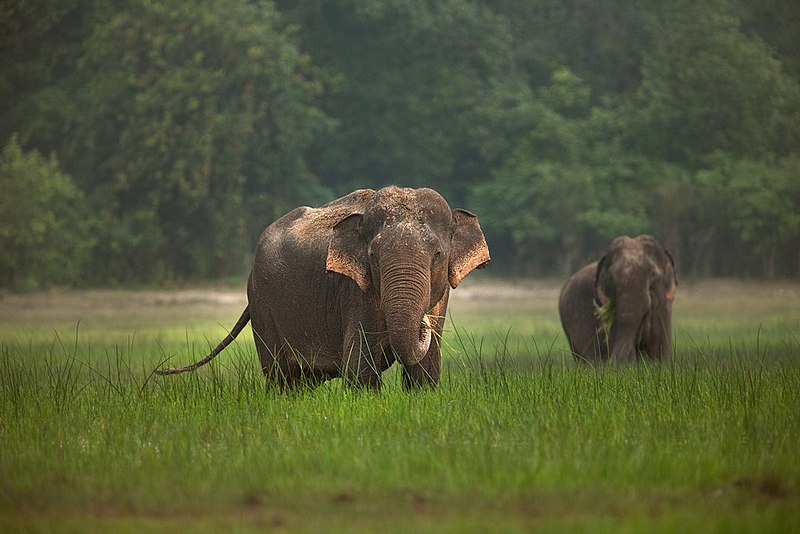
(291, 371)
(276, 357)
(277, 371)
(280, 362)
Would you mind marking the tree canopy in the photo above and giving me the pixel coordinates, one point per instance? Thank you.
(175, 131)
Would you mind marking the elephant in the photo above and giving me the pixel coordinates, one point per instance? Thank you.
(347, 289)
(620, 306)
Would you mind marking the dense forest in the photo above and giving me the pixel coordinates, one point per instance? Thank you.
(150, 142)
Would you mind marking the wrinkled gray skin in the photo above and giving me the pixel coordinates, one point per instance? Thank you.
(639, 276)
(343, 290)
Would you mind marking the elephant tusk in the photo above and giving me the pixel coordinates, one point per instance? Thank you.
(426, 321)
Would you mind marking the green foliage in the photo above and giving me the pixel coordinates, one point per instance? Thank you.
(44, 234)
(559, 189)
(418, 90)
(756, 204)
(707, 86)
(38, 40)
(189, 127)
(186, 125)
(207, 110)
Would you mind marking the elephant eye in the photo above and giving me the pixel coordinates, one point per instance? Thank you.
(437, 255)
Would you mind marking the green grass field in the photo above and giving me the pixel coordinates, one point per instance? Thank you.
(517, 437)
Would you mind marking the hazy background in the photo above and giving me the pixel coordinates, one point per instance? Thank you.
(149, 143)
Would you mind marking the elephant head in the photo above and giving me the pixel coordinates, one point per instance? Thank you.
(634, 289)
(407, 248)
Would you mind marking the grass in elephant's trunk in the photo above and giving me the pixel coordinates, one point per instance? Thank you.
(426, 328)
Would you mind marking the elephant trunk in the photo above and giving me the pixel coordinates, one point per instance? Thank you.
(622, 349)
(405, 294)
(624, 336)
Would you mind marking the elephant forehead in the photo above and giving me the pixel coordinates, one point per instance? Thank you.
(642, 245)
(393, 194)
(633, 266)
(631, 256)
(407, 233)
(623, 243)
(396, 202)
(413, 218)
(626, 250)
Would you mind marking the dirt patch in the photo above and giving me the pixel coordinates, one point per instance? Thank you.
(726, 287)
(521, 289)
(108, 302)
(217, 302)
(116, 303)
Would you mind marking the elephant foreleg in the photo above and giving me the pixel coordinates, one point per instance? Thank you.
(362, 367)
(657, 338)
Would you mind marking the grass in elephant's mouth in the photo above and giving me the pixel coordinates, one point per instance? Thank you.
(606, 314)
(516, 434)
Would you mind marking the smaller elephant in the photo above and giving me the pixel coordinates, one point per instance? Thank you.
(621, 305)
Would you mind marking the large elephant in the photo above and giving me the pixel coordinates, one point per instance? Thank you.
(346, 289)
(621, 306)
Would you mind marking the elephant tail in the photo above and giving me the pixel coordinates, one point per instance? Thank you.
(240, 324)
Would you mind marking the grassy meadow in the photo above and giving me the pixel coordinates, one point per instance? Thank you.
(517, 437)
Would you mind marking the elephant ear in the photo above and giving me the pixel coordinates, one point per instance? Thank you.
(468, 248)
(599, 276)
(672, 280)
(347, 252)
